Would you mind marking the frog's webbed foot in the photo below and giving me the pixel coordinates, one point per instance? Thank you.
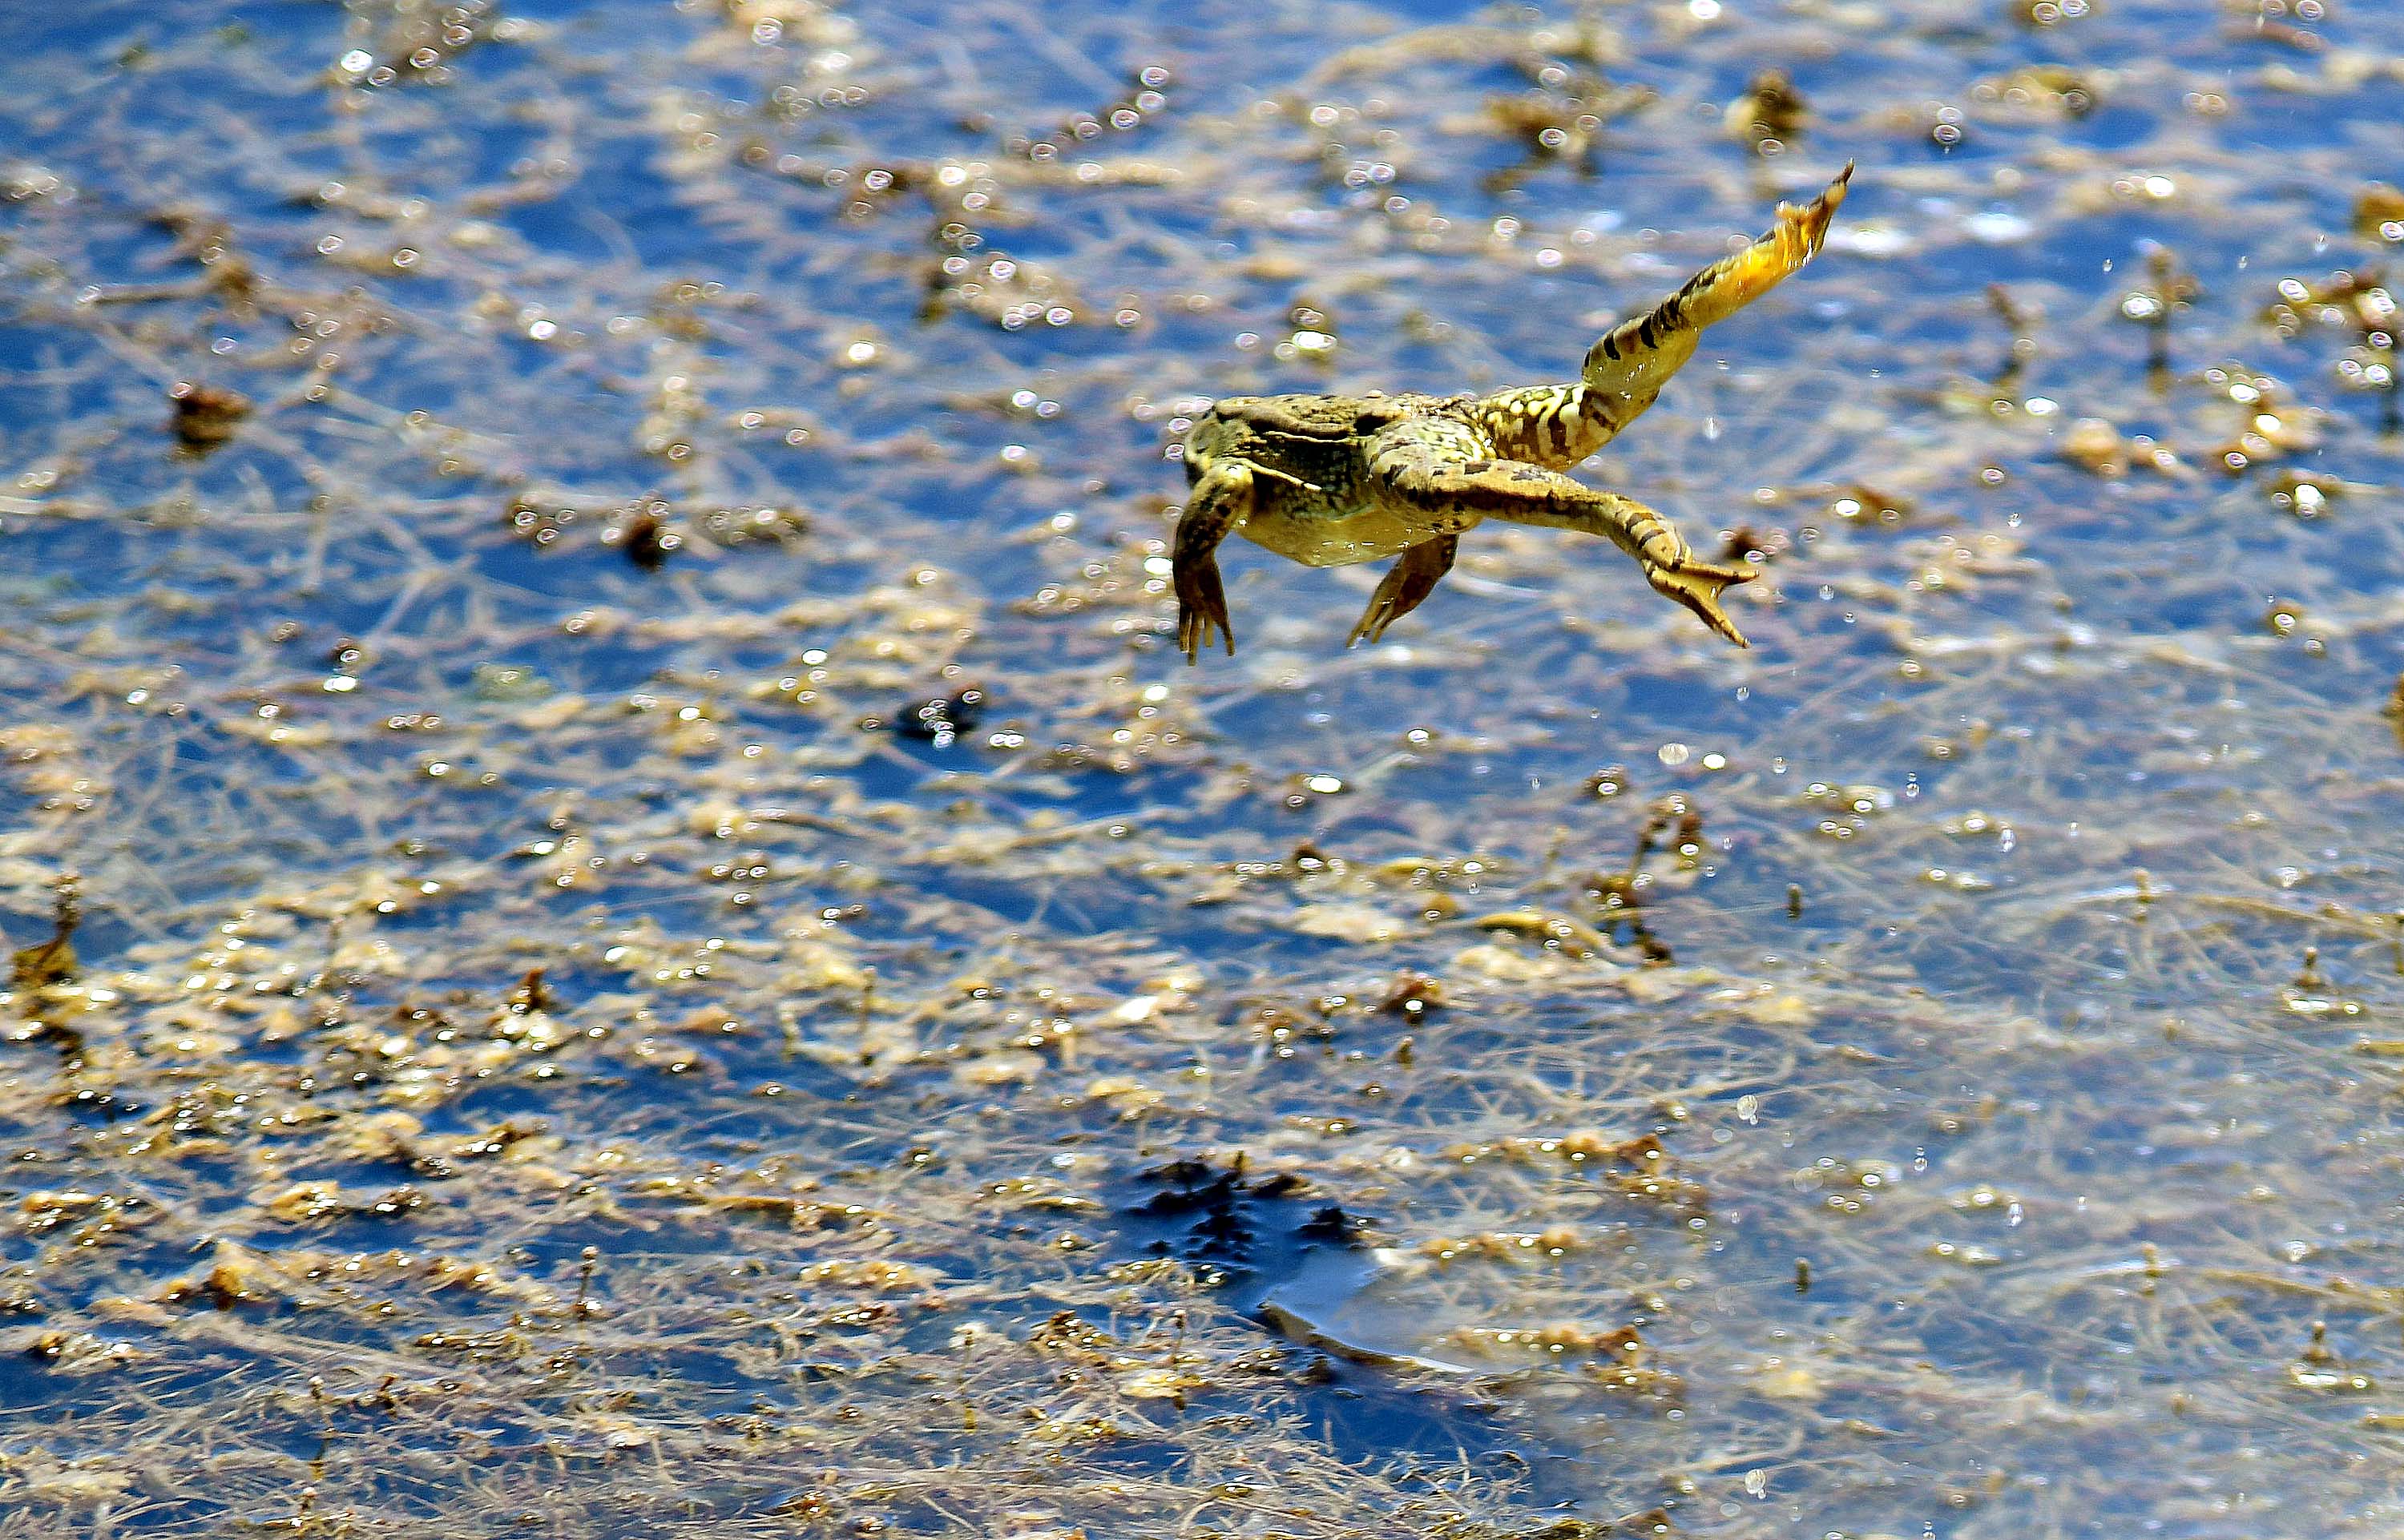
(1410, 580)
(1697, 584)
(1220, 503)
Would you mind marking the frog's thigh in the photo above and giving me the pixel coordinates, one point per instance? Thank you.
(1425, 467)
(1217, 507)
(1410, 580)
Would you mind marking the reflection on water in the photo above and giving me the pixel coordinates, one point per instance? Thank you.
(665, 942)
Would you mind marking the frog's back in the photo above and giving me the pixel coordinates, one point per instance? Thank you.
(1331, 419)
(1312, 447)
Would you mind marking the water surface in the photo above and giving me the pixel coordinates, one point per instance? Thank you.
(563, 1039)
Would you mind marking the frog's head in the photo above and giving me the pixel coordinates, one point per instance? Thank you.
(1207, 439)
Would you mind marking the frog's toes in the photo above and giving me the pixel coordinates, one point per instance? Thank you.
(1697, 584)
(1201, 610)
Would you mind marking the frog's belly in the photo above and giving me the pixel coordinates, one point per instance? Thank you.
(1328, 539)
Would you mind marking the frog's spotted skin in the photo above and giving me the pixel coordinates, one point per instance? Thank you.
(1330, 480)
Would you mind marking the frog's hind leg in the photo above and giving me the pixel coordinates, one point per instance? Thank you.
(1410, 580)
(1669, 562)
(1635, 358)
(1218, 506)
(1559, 425)
(1428, 474)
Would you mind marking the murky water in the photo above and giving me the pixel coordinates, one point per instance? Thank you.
(664, 944)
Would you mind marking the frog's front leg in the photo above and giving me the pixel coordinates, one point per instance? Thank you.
(1218, 506)
(1430, 475)
(1411, 579)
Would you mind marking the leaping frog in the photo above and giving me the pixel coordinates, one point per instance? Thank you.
(1331, 480)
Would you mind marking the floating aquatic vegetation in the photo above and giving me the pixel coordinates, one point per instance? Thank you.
(1771, 115)
(204, 416)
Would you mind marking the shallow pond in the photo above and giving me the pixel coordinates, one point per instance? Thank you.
(661, 941)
